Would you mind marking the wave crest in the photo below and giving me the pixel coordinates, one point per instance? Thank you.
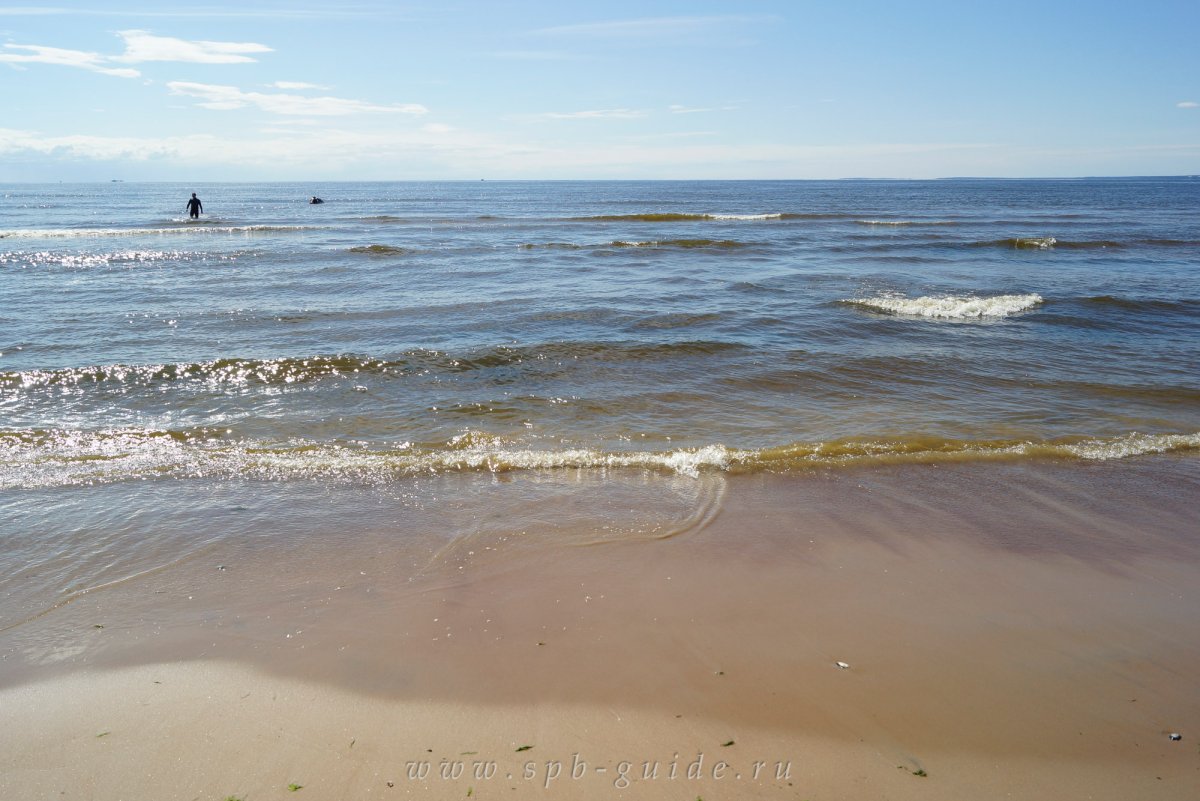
(293, 370)
(181, 228)
(950, 307)
(46, 458)
(379, 250)
(670, 216)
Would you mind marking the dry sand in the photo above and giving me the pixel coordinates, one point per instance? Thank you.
(1023, 632)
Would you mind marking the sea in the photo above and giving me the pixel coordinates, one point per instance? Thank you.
(160, 375)
(404, 328)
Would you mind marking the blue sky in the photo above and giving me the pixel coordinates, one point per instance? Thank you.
(307, 91)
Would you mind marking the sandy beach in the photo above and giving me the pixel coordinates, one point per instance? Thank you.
(980, 631)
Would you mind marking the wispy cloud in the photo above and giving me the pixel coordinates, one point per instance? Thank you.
(280, 151)
(1188, 104)
(30, 11)
(296, 86)
(38, 54)
(291, 151)
(675, 108)
(599, 114)
(338, 11)
(224, 98)
(141, 46)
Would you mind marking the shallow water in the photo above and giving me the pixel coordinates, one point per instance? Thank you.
(408, 328)
(591, 362)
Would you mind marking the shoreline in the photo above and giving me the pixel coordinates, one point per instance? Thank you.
(1020, 630)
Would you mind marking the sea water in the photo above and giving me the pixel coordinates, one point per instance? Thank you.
(404, 328)
(280, 372)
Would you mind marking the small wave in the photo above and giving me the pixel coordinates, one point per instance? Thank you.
(78, 261)
(297, 370)
(1097, 244)
(1053, 243)
(1167, 306)
(950, 307)
(217, 371)
(379, 250)
(679, 217)
(935, 450)
(1050, 243)
(58, 457)
(648, 217)
(1022, 243)
(1171, 243)
(682, 243)
(676, 320)
(93, 233)
(906, 223)
(655, 243)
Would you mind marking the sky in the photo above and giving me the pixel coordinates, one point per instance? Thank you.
(369, 90)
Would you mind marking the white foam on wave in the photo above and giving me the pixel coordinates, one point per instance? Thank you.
(1133, 445)
(899, 223)
(1036, 242)
(951, 307)
(774, 216)
(183, 228)
(45, 258)
(65, 458)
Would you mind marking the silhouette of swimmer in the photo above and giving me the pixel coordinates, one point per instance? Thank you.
(194, 206)
(316, 199)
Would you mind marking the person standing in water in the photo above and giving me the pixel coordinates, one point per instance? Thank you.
(194, 206)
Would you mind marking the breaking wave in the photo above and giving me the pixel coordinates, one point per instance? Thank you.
(726, 244)
(949, 307)
(380, 250)
(47, 458)
(682, 217)
(906, 223)
(1052, 243)
(1021, 243)
(182, 228)
(293, 370)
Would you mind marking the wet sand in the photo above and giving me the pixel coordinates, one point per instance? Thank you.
(1019, 631)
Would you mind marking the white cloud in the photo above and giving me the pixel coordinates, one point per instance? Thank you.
(294, 153)
(224, 98)
(295, 85)
(141, 46)
(97, 148)
(600, 114)
(1188, 104)
(291, 151)
(37, 54)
